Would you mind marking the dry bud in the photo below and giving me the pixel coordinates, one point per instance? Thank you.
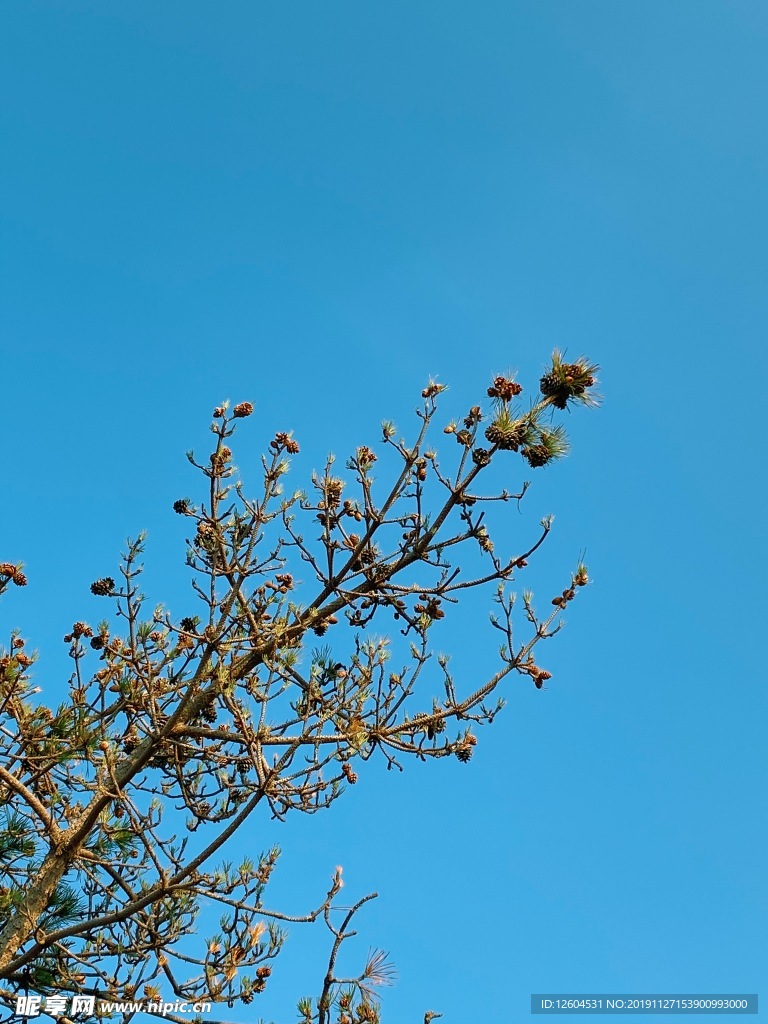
(432, 390)
(365, 456)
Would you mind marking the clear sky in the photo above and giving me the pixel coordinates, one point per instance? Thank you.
(315, 206)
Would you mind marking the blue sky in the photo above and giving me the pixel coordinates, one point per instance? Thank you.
(315, 207)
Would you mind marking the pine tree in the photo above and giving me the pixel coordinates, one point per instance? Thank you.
(239, 709)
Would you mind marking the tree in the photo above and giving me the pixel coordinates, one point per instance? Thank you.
(242, 708)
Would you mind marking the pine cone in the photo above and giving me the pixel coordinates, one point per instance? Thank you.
(549, 384)
(333, 489)
(103, 587)
(506, 438)
(537, 455)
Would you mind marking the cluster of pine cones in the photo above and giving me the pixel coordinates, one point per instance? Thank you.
(508, 438)
(564, 381)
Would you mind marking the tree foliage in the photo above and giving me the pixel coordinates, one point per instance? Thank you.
(176, 731)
